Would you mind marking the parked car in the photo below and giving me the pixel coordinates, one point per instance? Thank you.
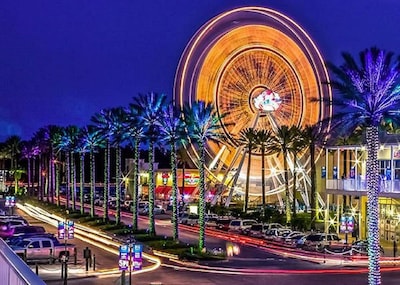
(274, 226)
(143, 208)
(257, 230)
(42, 248)
(99, 201)
(189, 219)
(241, 225)
(360, 247)
(17, 239)
(159, 210)
(319, 241)
(19, 231)
(276, 234)
(223, 224)
(127, 205)
(294, 240)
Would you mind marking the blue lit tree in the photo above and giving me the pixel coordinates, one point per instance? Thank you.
(202, 124)
(134, 135)
(90, 140)
(369, 94)
(118, 126)
(149, 108)
(173, 134)
(71, 136)
(102, 122)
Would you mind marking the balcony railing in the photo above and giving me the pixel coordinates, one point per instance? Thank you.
(386, 186)
(13, 270)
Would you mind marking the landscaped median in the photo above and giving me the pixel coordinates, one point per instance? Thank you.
(162, 246)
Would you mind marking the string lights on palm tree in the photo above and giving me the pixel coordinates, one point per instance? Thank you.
(173, 133)
(202, 125)
(149, 108)
(370, 93)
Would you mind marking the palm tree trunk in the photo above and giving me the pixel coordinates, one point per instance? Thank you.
(287, 198)
(106, 181)
(52, 176)
(135, 185)
(82, 182)
(374, 276)
(118, 184)
(57, 181)
(152, 227)
(294, 185)
(202, 198)
(314, 200)
(68, 170)
(92, 183)
(246, 196)
(175, 232)
(40, 188)
(263, 178)
(73, 181)
(34, 177)
(29, 177)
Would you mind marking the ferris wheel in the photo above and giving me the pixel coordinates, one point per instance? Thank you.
(261, 69)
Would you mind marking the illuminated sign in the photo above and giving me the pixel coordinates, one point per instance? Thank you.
(191, 179)
(10, 201)
(123, 262)
(137, 256)
(267, 101)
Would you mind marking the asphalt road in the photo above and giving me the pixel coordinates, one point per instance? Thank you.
(167, 276)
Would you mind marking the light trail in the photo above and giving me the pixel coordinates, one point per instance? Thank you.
(90, 236)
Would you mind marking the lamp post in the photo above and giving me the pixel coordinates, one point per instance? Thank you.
(65, 259)
(131, 242)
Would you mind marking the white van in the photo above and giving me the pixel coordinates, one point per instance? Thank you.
(241, 225)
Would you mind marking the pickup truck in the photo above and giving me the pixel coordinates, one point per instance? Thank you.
(42, 248)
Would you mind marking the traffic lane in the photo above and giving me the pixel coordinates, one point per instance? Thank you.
(249, 256)
(170, 276)
(103, 258)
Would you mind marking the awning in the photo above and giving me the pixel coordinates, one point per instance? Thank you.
(188, 190)
(163, 190)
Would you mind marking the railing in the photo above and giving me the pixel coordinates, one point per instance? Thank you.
(13, 270)
(386, 186)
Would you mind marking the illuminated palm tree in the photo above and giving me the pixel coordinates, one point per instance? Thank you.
(202, 124)
(12, 146)
(248, 139)
(102, 122)
(369, 94)
(41, 141)
(263, 142)
(72, 133)
(54, 134)
(173, 133)
(118, 124)
(282, 143)
(82, 149)
(29, 151)
(134, 135)
(149, 108)
(91, 140)
(299, 144)
(314, 136)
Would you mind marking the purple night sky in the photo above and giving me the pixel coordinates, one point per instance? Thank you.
(63, 61)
